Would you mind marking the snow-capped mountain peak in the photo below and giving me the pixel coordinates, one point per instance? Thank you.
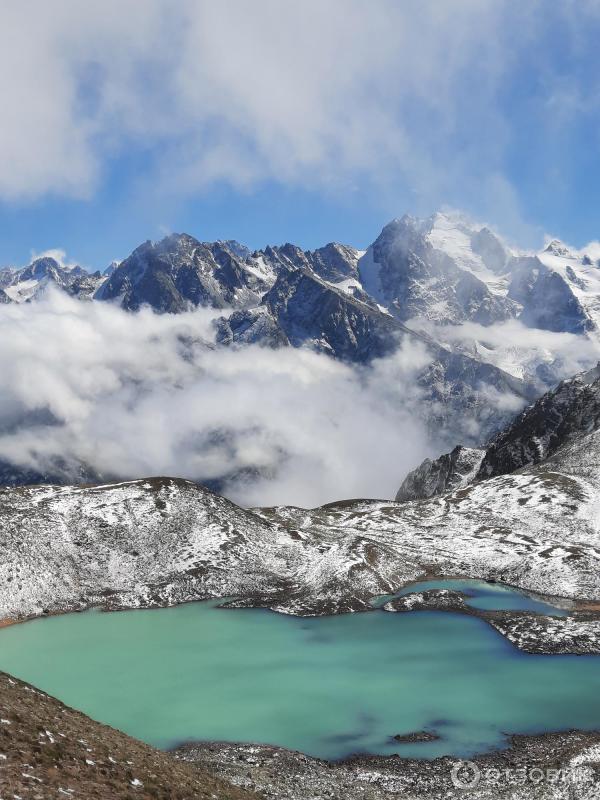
(30, 282)
(558, 248)
(443, 269)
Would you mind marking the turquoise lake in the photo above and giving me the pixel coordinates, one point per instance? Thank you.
(328, 686)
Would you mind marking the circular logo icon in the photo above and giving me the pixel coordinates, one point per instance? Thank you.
(465, 775)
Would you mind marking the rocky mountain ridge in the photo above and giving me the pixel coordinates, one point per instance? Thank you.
(30, 283)
(418, 284)
(567, 412)
(445, 268)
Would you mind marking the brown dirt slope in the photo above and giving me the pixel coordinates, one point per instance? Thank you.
(48, 750)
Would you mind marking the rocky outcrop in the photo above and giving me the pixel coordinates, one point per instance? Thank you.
(335, 262)
(572, 409)
(251, 326)
(569, 411)
(547, 300)
(312, 312)
(446, 473)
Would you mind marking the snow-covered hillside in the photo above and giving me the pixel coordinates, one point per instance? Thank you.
(162, 541)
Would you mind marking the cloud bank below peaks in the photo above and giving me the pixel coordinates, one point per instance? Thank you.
(131, 395)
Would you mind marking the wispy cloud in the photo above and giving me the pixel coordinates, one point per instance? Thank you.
(311, 93)
(541, 356)
(57, 253)
(136, 395)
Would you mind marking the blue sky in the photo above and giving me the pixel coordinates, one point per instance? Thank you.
(274, 121)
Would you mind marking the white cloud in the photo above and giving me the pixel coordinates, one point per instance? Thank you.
(134, 395)
(541, 356)
(312, 93)
(137, 395)
(58, 254)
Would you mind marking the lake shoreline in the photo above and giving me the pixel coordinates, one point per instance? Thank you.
(527, 760)
(576, 633)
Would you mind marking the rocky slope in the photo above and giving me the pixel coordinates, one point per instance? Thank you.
(48, 750)
(144, 543)
(552, 767)
(162, 541)
(448, 472)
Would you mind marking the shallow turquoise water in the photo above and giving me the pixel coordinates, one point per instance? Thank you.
(327, 686)
(482, 595)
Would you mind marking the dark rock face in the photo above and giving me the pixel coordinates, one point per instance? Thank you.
(334, 262)
(570, 410)
(47, 470)
(446, 473)
(303, 310)
(60, 471)
(547, 300)
(238, 250)
(251, 326)
(180, 273)
(487, 245)
(454, 388)
(310, 311)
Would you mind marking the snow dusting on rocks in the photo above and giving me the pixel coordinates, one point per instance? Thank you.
(163, 541)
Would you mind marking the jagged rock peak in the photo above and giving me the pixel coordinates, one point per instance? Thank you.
(566, 413)
(446, 473)
(558, 248)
